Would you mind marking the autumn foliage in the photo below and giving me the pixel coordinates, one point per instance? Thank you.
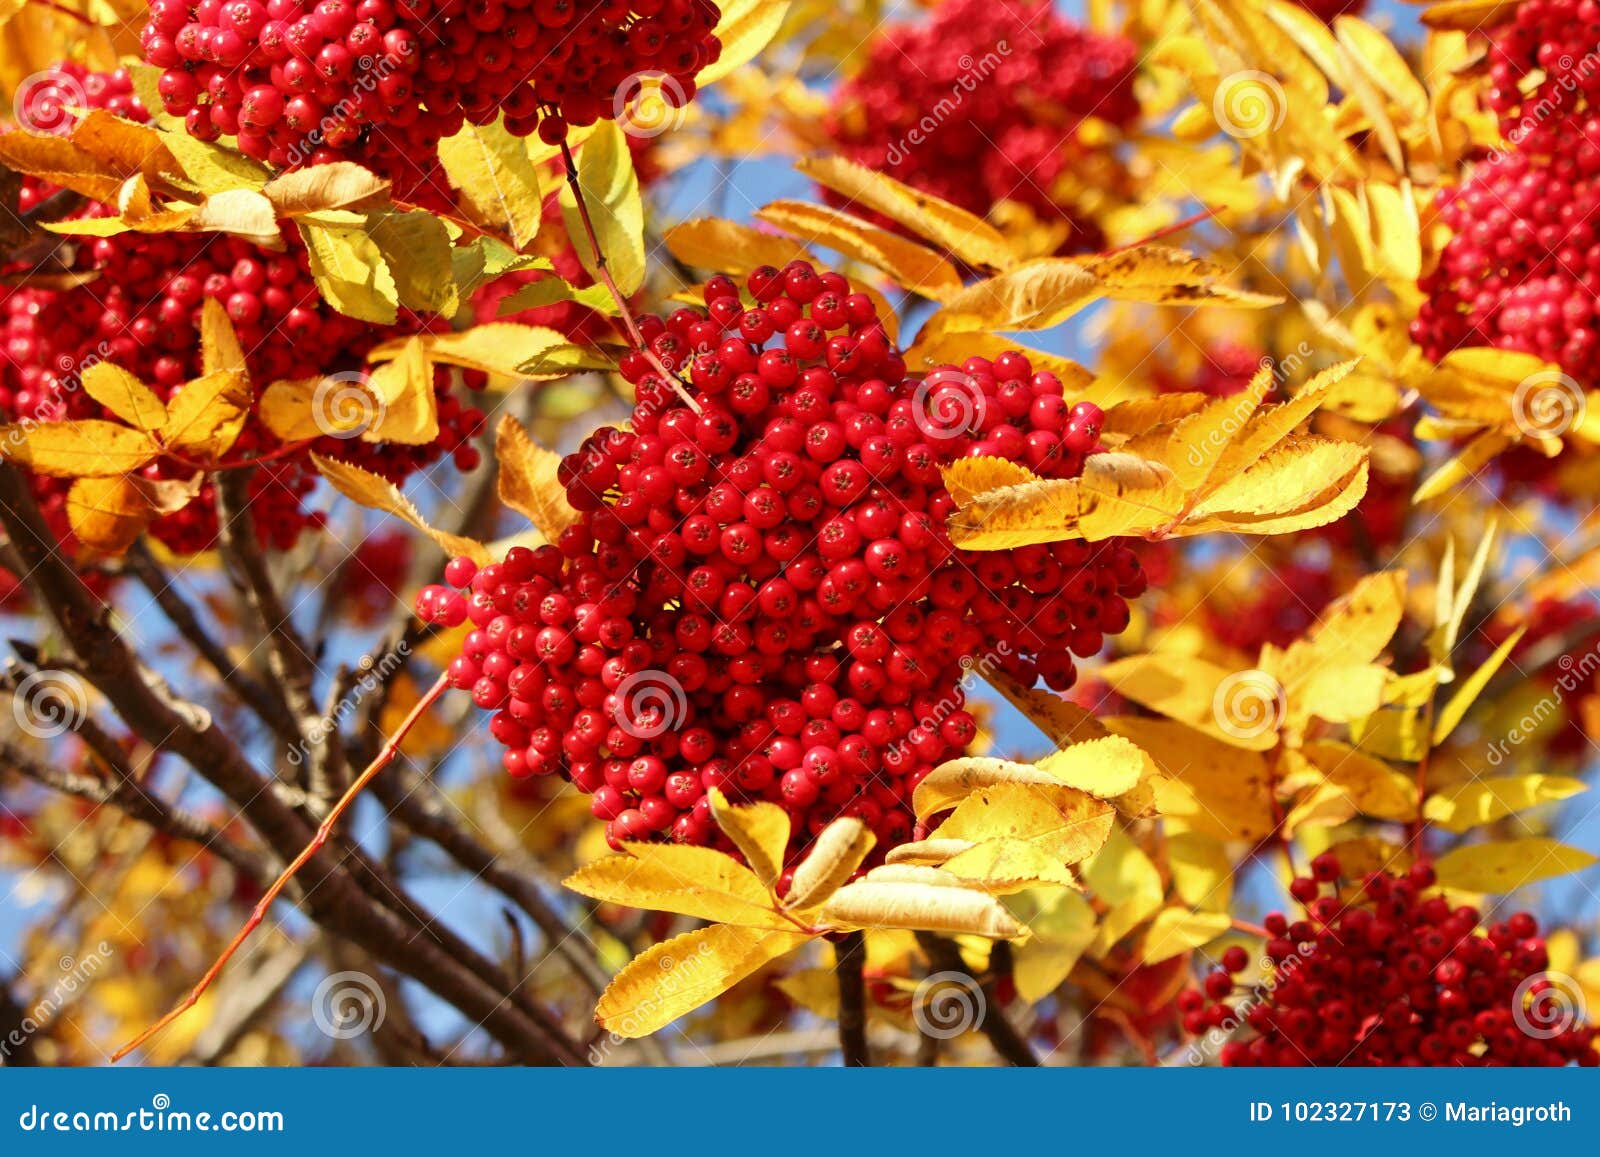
(996, 535)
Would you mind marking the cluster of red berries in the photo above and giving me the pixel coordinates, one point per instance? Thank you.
(760, 595)
(1384, 974)
(141, 312)
(1522, 267)
(381, 82)
(1329, 10)
(1552, 42)
(984, 103)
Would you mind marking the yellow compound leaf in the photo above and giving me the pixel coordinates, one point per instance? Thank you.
(1305, 482)
(729, 247)
(528, 482)
(1117, 494)
(927, 907)
(1471, 687)
(913, 266)
(1208, 785)
(306, 408)
(953, 781)
(760, 831)
(501, 347)
(220, 350)
(1163, 276)
(87, 448)
(1175, 931)
(1202, 873)
(377, 493)
(350, 272)
(611, 192)
(835, 855)
(681, 878)
(1485, 800)
(125, 396)
(1031, 297)
(498, 182)
(1105, 768)
(677, 976)
(339, 185)
(1065, 823)
(1375, 788)
(1061, 925)
(1005, 866)
(417, 248)
(407, 407)
(1127, 884)
(1506, 865)
(951, 228)
(206, 416)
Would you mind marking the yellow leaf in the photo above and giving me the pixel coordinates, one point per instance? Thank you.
(350, 272)
(108, 515)
(1202, 873)
(913, 266)
(835, 855)
(745, 28)
(528, 480)
(1006, 865)
(1353, 631)
(1060, 721)
(1241, 708)
(1162, 276)
(220, 350)
(937, 350)
(337, 185)
(682, 878)
(966, 237)
(1468, 15)
(307, 408)
(760, 831)
(1031, 297)
(416, 247)
(729, 247)
(951, 782)
(1303, 483)
(1210, 786)
(499, 347)
(1467, 694)
(125, 396)
(378, 493)
(611, 193)
(1374, 787)
(88, 448)
(677, 976)
(206, 416)
(1123, 879)
(1117, 494)
(1483, 801)
(1106, 768)
(1060, 925)
(1067, 824)
(1175, 931)
(498, 182)
(1505, 865)
(408, 411)
(957, 911)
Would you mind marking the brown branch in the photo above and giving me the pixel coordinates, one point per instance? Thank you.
(944, 956)
(850, 955)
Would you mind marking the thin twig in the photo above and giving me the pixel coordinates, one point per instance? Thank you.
(850, 957)
(944, 956)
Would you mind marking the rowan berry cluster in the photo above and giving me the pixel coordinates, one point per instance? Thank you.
(1386, 974)
(760, 594)
(141, 312)
(985, 103)
(1520, 270)
(381, 82)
